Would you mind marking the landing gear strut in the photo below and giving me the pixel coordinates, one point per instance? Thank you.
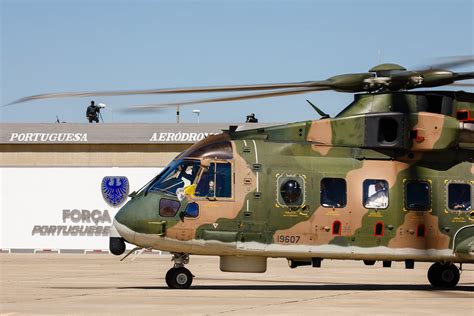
(178, 277)
(443, 275)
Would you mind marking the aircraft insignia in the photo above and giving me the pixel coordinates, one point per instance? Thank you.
(115, 190)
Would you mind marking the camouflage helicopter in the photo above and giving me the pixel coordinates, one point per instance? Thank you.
(390, 178)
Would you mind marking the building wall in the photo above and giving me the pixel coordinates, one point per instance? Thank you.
(51, 195)
(89, 155)
(60, 207)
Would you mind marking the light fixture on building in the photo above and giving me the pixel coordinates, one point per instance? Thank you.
(197, 112)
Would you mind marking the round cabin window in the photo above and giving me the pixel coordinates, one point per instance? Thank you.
(290, 191)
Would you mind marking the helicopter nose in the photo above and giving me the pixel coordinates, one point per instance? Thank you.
(120, 231)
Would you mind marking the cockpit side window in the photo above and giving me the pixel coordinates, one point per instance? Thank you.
(205, 186)
(215, 181)
(224, 180)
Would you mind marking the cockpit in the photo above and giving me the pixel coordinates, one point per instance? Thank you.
(205, 166)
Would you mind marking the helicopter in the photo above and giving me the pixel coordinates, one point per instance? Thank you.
(389, 178)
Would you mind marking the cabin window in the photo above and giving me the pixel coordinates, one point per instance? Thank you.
(420, 230)
(375, 194)
(215, 181)
(336, 228)
(290, 190)
(417, 195)
(459, 196)
(379, 229)
(333, 192)
(168, 208)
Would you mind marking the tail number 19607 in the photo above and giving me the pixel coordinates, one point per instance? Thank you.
(288, 239)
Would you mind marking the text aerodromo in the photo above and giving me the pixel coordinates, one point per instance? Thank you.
(179, 137)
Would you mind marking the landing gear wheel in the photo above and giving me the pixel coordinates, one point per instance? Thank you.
(179, 278)
(449, 276)
(168, 276)
(443, 275)
(434, 274)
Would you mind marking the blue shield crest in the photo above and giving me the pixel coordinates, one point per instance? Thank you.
(115, 190)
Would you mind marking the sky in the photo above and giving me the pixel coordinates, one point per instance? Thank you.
(64, 46)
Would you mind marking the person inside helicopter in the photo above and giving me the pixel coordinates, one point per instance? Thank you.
(179, 174)
(215, 181)
(378, 198)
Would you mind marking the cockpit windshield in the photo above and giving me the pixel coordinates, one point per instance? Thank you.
(179, 174)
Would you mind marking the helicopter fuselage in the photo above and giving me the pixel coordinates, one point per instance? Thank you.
(384, 186)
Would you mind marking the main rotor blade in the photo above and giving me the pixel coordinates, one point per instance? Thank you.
(464, 75)
(450, 62)
(462, 84)
(227, 98)
(231, 88)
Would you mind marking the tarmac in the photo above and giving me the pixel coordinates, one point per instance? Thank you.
(100, 284)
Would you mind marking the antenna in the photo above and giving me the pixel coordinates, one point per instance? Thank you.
(323, 115)
(380, 55)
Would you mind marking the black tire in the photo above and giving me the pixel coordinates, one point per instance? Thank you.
(449, 275)
(168, 277)
(443, 275)
(179, 278)
(434, 273)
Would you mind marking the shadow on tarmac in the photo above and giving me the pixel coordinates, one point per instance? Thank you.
(352, 287)
(296, 287)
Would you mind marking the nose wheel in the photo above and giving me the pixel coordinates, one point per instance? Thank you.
(443, 275)
(179, 277)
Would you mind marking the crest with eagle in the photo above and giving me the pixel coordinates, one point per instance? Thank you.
(115, 190)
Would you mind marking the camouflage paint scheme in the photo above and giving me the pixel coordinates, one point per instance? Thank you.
(430, 146)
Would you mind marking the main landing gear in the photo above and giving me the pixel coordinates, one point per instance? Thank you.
(178, 277)
(443, 275)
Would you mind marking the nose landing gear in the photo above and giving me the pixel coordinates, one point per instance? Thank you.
(179, 277)
(443, 275)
